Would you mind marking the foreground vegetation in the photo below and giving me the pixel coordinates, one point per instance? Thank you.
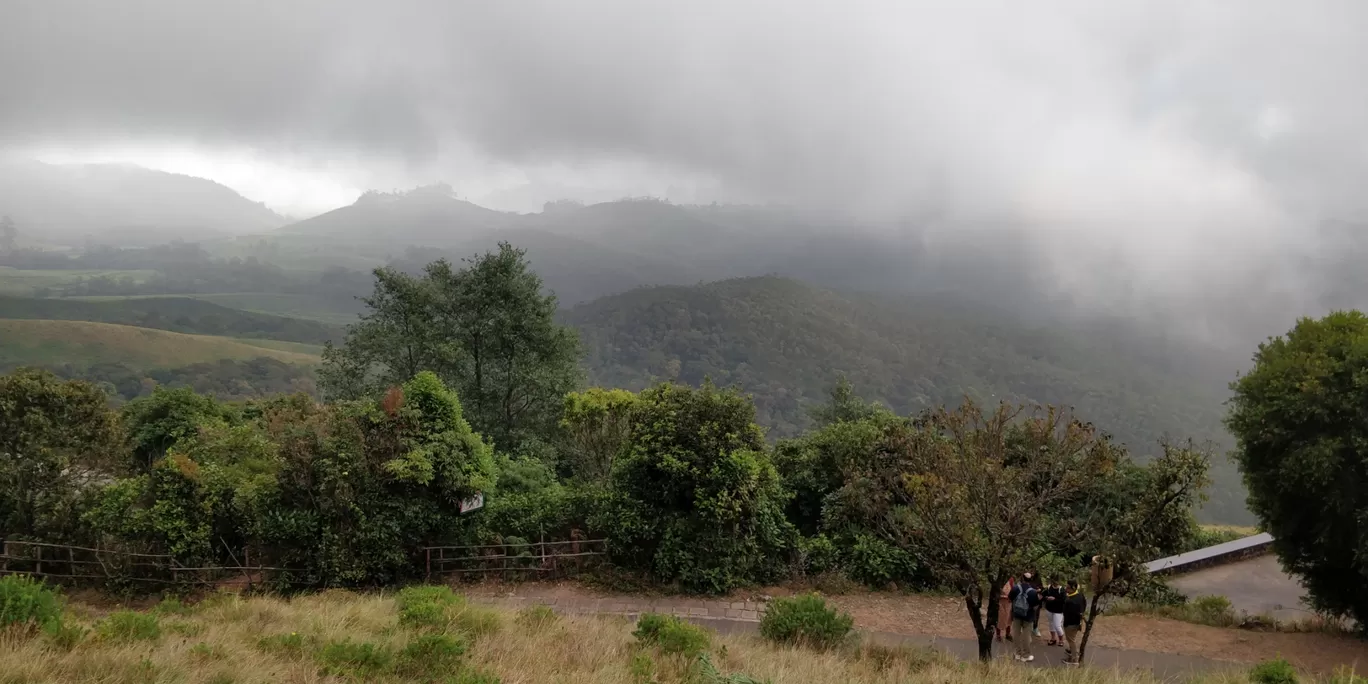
(426, 634)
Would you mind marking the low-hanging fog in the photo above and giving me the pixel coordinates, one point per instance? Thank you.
(1173, 159)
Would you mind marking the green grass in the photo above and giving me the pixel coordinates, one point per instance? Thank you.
(16, 281)
(307, 307)
(281, 345)
(40, 343)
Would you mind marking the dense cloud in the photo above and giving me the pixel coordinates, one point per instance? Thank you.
(1157, 146)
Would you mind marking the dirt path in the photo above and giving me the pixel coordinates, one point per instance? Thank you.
(946, 617)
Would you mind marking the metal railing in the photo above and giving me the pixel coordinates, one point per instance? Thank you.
(544, 559)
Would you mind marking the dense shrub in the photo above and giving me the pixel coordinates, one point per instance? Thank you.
(672, 635)
(1277, 671)
(426, 606)
(875, 562)
(28, 603)
(805, 620)
(363, 484)
(696, 498)
(362, 660)
(430, 656)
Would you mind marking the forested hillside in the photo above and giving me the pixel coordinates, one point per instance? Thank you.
(787, 343)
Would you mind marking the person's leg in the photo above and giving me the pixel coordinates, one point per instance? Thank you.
(1023, 638)
(1057, 627)
(1071, 636)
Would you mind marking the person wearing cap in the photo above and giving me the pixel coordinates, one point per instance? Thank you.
(1025, 602)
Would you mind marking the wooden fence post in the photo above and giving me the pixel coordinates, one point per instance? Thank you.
(40, 560)
(428, 552)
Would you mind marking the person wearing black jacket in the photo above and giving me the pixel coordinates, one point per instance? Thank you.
(1025, 602)
(1075, 605)
(1053, 599)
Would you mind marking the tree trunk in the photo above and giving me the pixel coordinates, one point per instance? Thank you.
(1093, 609)
(984, 631)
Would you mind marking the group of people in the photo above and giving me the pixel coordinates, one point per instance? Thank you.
(1019, 608)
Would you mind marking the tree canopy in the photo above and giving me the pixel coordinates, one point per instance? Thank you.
(1300, 418)
(486, 330)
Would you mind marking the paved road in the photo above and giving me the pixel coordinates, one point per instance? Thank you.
(1256, 586)
(1163, 665)
(743, 618)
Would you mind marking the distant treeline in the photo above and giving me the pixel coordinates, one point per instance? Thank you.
(177, 314)
(226, 379)
(184, 269)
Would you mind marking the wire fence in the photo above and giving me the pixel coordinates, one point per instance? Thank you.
(515, 559)
(68, 564)
(80, 565)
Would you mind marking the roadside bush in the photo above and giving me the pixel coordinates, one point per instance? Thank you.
(127, 626)
(430, 655)
(696, 499)
(426, 606)
(1277, 671)
(1213, 610)
(28, 604)
(672, 635)
(363, 660)
(818, 555)
(805, 620)
(876, 563)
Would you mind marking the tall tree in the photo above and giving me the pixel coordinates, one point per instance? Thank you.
(1300, 419)
(485, 329)
(975, 494)
(1133, 514)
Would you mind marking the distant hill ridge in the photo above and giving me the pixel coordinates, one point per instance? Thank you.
(787, 343)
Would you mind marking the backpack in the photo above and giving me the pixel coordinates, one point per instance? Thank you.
(1021, 606)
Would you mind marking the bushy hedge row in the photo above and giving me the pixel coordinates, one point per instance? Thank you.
(679, 480)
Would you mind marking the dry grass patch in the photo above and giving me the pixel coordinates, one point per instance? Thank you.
(339, 637)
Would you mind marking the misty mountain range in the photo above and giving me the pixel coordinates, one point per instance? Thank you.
(122, 204)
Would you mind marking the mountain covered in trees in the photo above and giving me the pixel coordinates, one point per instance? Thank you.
(787, 343)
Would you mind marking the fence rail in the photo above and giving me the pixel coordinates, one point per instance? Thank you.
(68, 563)
(545, 559)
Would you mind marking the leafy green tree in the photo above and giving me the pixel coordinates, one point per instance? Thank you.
(597, 424)
(485, 329)
(975, 495)
(55, 438)
(1132, 514)
(1299, 420)
(156, 422)
(698, 501)
(844, 406)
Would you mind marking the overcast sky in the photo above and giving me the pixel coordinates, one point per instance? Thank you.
(1181, 133)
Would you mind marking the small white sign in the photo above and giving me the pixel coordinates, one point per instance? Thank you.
(473, 503)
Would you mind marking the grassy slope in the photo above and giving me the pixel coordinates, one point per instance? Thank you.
(246, 641)
(39, 342)
(787, 343)
(190, 315)
(299, 306)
